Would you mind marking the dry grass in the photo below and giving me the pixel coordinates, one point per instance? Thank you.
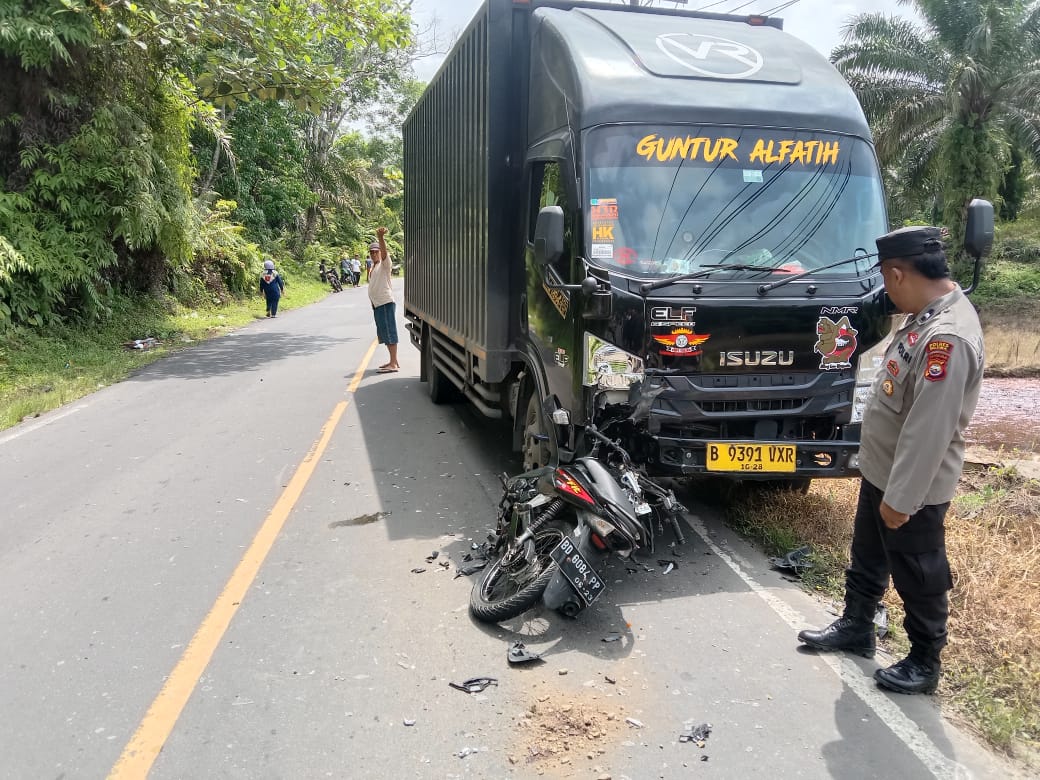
(1012, 343)
(992, 664)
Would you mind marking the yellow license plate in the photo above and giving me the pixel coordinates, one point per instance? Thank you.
(738, 456)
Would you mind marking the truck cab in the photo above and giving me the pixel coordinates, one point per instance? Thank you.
(687, 206)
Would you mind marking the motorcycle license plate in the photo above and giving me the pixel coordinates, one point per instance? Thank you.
(577, 570)
(745, 456)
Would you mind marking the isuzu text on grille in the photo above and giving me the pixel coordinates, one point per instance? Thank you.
(767, 357)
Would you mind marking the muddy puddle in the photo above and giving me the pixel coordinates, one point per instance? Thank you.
(1008, 415)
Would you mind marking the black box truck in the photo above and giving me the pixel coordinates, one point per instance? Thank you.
(656, 218)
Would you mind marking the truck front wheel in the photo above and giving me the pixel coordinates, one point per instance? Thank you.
(536, 436)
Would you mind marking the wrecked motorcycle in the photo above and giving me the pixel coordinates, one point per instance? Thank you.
(557, 524)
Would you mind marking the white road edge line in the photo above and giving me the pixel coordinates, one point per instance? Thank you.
(30, 427)
(888, 713)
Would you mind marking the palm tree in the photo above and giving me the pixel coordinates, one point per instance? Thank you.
(948, 102)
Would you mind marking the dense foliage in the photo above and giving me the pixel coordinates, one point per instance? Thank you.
(955, 107)
(164, 145)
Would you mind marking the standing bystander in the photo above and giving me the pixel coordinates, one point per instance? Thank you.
(381, 295)
(911, 456)
(272, 286)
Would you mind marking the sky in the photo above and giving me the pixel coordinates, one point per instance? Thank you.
(817, 22)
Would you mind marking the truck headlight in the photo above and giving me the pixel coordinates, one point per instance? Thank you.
(870, 363)
(609, 367)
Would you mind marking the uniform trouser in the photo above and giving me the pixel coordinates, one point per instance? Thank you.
(915, 557)
(272, 303)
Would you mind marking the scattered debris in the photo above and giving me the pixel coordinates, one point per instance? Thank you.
(360, 520)
(562, 672)
(696, 734)
(635, 723)
(474, 684)
(613, 636)
(881, 620)
(519, 654)
(471, 568)
(418, 570)
(467, 751)
(444, 564)
(668, 565)
(796, 561)
(409, 721)
(432, 556)
(609, 679)
(148, 343)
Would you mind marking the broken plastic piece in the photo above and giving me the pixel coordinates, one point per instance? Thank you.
(418, 570)
(796, 561)
(519, 654)
(881, 620)
(613, 636)
(472, 568)
(668, 566)
(474, 684)
(409, 722)
(696, 734)
(633, 722)
(432, 556)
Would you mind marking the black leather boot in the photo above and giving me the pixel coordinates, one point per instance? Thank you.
(917, 673)
(853, 631)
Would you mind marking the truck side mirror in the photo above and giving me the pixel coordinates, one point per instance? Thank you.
(548, 235)
(978, 230)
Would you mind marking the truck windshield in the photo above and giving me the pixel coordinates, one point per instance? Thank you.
(672, 200)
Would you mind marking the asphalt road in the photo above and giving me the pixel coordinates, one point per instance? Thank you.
(207, 572)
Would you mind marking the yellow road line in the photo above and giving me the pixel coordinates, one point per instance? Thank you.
(142, 750)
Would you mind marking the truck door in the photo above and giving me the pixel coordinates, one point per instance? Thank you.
(551, 315)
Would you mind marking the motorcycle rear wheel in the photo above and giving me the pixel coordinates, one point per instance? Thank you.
(507, 589)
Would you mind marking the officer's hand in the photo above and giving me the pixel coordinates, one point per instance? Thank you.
(892, 518)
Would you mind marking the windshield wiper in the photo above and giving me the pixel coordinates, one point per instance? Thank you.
(705, 270)
(764, 288)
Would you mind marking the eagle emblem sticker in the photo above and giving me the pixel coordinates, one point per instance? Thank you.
(681, 341)
(835, 342)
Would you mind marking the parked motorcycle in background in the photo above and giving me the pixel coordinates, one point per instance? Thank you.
(557, 525)
(329, 275)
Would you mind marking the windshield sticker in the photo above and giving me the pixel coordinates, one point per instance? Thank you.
(603, 251)
(603, 231)
(604, 208)
(686, 148)
(766, 152)
(752, 177)
(836, 341)
(682, 341)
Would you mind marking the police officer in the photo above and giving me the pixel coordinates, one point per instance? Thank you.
(911, 456)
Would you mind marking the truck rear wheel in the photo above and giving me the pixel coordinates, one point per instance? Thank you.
(536, 436)
(441, 390)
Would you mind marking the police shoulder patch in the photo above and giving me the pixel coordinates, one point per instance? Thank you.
(939, 351)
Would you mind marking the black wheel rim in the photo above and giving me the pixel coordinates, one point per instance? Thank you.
(506, 580)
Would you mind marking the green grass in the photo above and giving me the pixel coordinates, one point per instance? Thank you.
(42, 371)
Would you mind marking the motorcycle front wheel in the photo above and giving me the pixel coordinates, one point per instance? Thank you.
(510, 585)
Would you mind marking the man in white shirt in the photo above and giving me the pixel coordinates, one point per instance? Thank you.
(381, 296)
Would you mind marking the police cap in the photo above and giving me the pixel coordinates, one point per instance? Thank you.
(909, 242)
